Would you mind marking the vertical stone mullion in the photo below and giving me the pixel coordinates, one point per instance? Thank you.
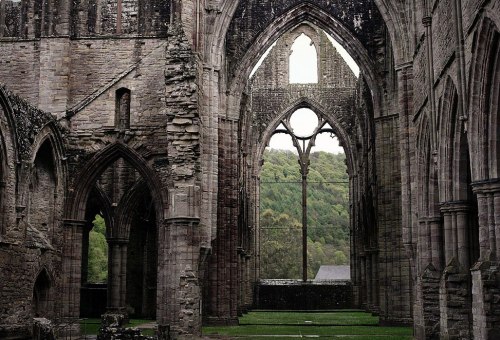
(114, 276)
(496, 206)
(491, 223)
(484, 244)
(436, 242)
(123, 276)
(454, 240)
(463, 239)
(448, 230)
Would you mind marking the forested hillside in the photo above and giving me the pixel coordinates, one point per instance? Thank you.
(281, 214)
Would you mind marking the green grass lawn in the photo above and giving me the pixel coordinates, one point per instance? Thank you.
(326, 325)
(299, 318)
(258, 325)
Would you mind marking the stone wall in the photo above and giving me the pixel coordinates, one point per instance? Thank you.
(418, 127)
(31, 213)
(300, 296)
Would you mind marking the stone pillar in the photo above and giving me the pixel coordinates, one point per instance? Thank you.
(430, 299)
(123, 276)
(178, 291)
(72, 268)
(117, 276)
(455, 290)
(435, 227)
(363, 288)
(248, 281)
(486, 272)
(430, 259)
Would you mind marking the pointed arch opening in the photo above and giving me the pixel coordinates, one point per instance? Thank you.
(122, 109)
(43, 298)
(304, 207)
(42, 192)
(303, 61)
(485, 102)
(121, 191)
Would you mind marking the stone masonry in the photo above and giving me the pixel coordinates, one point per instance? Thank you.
(145, 112)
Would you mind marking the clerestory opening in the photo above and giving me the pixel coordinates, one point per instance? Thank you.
(303, 61)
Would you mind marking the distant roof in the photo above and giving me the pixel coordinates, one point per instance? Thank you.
(333, 273)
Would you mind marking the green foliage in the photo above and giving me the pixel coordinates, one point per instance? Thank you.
(281, 246)
(281, 213)
(98, 252)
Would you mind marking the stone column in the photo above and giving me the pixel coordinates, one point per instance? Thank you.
(72, 268)
(455, 290)
(436, 237)
(123, 276)
(178, 291)
(409, 230)
(430, 271)
(117, 276)
(486, 272)
(248, 287)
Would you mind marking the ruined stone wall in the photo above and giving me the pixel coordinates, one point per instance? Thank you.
(437, 86)
(71, 57)
(31, 215)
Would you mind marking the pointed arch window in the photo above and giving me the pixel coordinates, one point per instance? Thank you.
(42, 297)
(122, 120)
(303, 63)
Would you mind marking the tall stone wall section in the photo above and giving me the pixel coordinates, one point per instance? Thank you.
(188, 88)
(29, 238)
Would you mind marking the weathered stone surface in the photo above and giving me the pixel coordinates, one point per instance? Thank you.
(175, 173)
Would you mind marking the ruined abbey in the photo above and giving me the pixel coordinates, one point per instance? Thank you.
(146, 113)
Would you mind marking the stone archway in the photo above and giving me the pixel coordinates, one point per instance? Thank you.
(102, 167)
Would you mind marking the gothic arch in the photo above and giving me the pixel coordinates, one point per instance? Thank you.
(319, 110)
(8, 135)
(8, 159)
(43, 294)
(305, 12)
(104, 203)
(102, 160)
(453, 149)
(129, 202)
(50, 134)
(427, 172)
(396, 17)
(485, 102)
(391, 14)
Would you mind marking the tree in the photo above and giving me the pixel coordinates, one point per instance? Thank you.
(328, 214)
(98, 252)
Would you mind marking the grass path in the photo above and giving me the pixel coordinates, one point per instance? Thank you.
(324, 325)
